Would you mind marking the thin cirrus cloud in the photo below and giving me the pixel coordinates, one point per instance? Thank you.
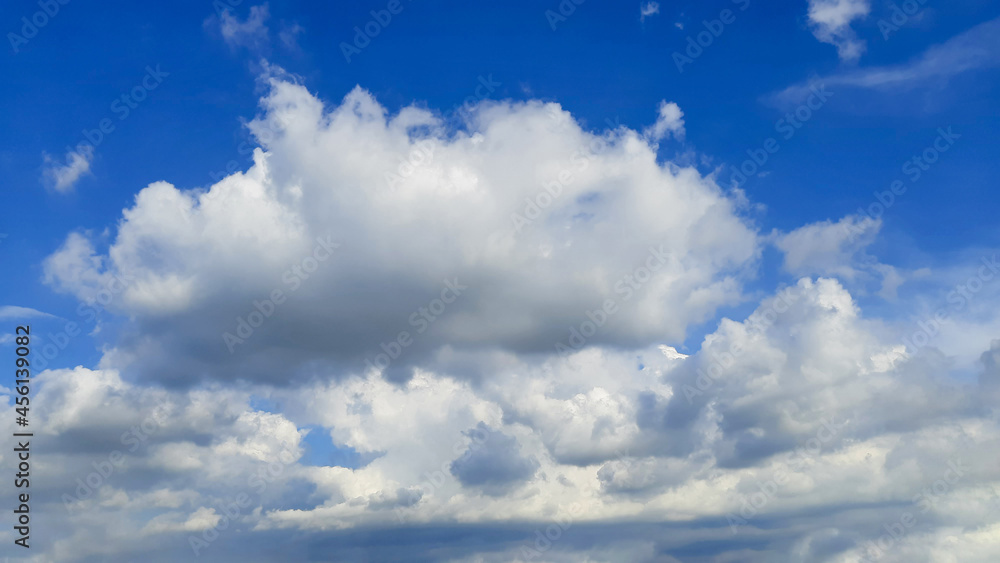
(976, 48)
(9, 312)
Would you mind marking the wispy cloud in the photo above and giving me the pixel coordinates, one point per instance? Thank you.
(976, 48)
(62, 177)
(648, 9)
(8, 312)
(250, 33)
(831, 23)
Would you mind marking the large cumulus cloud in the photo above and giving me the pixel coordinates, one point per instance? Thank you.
(363, 219)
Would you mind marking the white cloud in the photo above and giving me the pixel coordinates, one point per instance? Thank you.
(524, 208)
(831, 23)
(597, 440)
(63, 177)
(669, 120)
(14, 312)
(828, 248)
(838, 249)
(250, 33)
(974, 49)
(648, 9)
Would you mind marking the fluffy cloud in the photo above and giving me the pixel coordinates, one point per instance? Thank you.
(805, 413)
(505, 233)
(803, 428)
(63, 177)
(669, 120)
(831, 23)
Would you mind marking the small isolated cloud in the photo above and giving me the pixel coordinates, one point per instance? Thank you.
(974, 49)
(8, 312)
(648, 9)
(62, 177)
(831, 23)
(251, 33)
(669, 120)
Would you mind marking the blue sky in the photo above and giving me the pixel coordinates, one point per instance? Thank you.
(601, 63)
(238, 137)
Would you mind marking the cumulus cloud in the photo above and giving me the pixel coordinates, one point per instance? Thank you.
(831, 23)
(669, 120)
(805, 392)
(356, 215)
(62, 177)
